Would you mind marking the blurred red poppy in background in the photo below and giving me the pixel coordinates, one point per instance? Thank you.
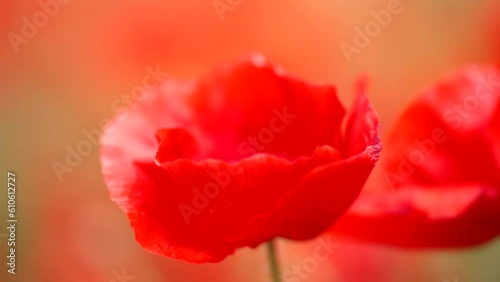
(443, 164)
(241, 155)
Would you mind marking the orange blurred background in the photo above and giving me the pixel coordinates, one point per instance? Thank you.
(62, 78)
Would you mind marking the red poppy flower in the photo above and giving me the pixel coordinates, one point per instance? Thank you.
(443, 161)
(236, 158)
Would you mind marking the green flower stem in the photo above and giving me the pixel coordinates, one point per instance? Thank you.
(273, 261)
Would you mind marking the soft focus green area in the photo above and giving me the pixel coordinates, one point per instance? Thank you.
(64, 80)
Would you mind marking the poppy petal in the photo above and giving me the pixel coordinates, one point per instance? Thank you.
(429, 217)
(433, 140)
(254, 107)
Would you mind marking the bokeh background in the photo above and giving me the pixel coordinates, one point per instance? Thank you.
(64, 79)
